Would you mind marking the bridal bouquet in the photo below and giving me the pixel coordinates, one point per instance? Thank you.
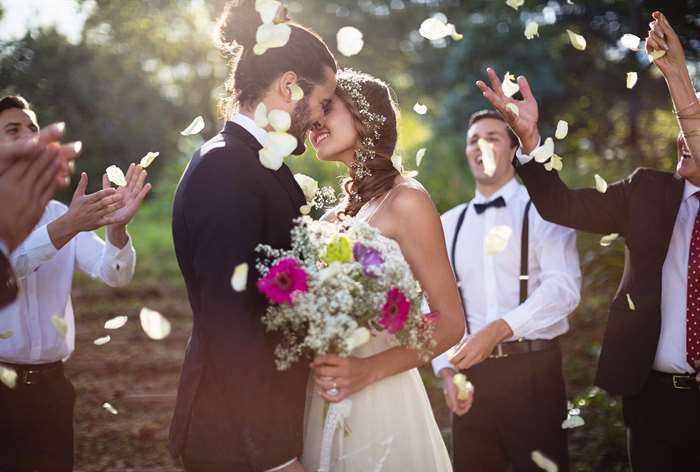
(339, 284)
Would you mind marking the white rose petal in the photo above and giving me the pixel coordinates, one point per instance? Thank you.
(8, 376)
(434, 29)
(608, 239)
(195, 127)
(509, 86)
(305, 209)
(267, 9)
(7, 334)
(488, 159)
(397, 162)
(308, 185)
(562, 130)
(148, 159)
(116, 322)
(554, 163)
(656, 54)
(297, 92)
(456, 36)
(544, 462)
(278, 145)
(514, 108)
(600, 184)
(60, 325)
(358, 337)
(102, 341)
(270, 36)
(280, 120)
(270, 159)
(497, 239)
(261, 115)
(630, 303)
(577, 41)
(419, 156)
(420, 108)
(544, 152)
(532, 29)
(572, 421)
(350, 41)
(630, 41)
(515, 4)
(109, 408)
(239, 279)
(464, 387)
(116, 176)
(631, 79)
(155, 325)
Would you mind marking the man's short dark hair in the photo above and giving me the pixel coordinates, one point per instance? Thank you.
(493, 114)
(13, 101)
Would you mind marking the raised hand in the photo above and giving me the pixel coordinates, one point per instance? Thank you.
(662, 37)
(524, 122)
(132, 194)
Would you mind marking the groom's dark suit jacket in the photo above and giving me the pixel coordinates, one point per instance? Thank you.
(642, 209)
(234, 409)
(8, 284)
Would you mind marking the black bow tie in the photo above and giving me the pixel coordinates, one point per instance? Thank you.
(482, 207)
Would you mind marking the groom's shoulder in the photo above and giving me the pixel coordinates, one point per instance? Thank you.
(225, 155)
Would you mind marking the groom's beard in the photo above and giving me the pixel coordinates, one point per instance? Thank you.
(301, 123)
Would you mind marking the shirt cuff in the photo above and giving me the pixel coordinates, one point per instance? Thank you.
(4, 249)
(518, 320)
(441, 362)
(522, 157)
(119, 259)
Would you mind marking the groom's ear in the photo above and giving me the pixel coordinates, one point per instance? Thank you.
(283, 85)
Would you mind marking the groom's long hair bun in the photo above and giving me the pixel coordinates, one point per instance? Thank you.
(375, 111)
(251, 74)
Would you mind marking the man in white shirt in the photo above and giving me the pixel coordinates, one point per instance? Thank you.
(38, 329)
(514, 312)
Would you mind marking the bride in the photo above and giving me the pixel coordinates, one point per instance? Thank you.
(390, 426)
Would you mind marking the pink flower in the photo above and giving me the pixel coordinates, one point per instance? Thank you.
(283, 280)
(395, 311)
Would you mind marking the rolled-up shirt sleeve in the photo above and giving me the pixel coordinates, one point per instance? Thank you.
(33, 252)
(101, 259)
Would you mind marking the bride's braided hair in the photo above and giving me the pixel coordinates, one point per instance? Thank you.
(375, 112)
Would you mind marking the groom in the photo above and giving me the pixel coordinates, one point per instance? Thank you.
(235, 411)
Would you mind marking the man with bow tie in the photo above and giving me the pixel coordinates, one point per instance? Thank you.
(516, 301)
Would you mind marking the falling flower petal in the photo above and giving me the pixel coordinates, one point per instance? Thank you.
(8, 376)
(195, 127)
(434, 29)
(631, 79)
(509, 86)
(297, 92)
(116, 322)
(464, 387)
(397, 162)
(308, 185)
(109, 408)
(270, 36)
(358, 337)
(261, 115)
(515, 4)
(60, 325)
(277, 146)
(488, 159)
(350, 41)
(420, 108)
(572, 421)
(630, 41)
(562, 130)
(280, 120)
(239, 279)
(116, 176)
(456, 36)
(419, 156)
(544, 152)
(102, 341)
(630, 303)
(544, 462)
(148, 159)
(608, 239)
(155, 325)
(267, 9)
(532, 30)
(271, 159)
(554, 163)
(577, 41)
(497, 239)
(6, 334)
(514, 108)
(600, 184)
(656, 54)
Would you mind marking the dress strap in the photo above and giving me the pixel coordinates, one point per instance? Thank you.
(381, 202)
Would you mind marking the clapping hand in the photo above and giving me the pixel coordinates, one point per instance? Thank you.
(132, 194)
(524, 122)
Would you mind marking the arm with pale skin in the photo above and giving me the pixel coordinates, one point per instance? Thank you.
(416, 226)
(662, 37)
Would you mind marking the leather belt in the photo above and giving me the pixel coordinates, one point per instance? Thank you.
(524, 346)
(677, 381)
(32, 374)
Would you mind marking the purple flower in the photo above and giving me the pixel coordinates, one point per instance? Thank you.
(367, 257)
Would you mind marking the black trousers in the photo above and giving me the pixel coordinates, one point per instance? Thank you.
(663, 428)
(36, 426)
(519, 405)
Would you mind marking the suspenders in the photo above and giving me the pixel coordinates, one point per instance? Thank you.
(524, 253)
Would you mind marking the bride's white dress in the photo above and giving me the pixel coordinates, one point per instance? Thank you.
(391, 427)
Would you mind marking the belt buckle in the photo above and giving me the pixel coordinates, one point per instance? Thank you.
(499, 352)
(676, 383)
(27, 377)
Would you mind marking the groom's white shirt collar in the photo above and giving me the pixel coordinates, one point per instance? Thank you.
(507, 192)
(689, 190)
(249, 125)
